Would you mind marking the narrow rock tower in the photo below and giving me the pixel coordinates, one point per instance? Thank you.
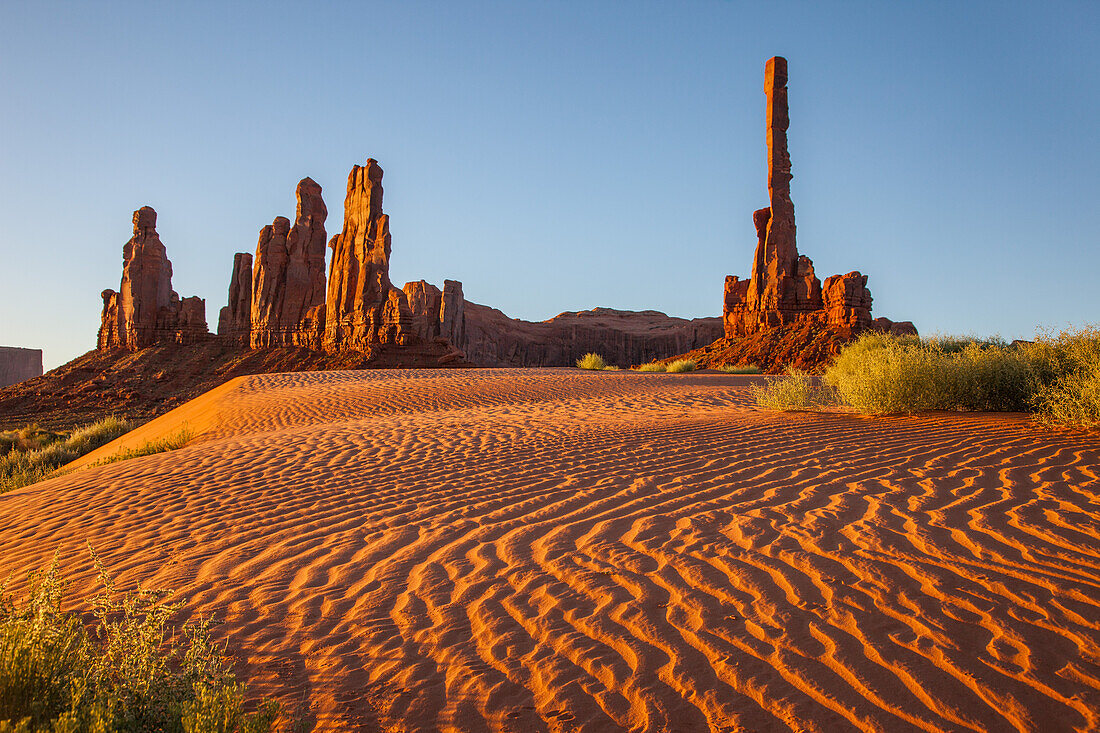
(783, 288)
(363, 308)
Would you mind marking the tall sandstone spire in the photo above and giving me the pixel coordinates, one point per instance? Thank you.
(783, 288)
(145, 310)
(364, 309)
(288, 275)
(235, 319)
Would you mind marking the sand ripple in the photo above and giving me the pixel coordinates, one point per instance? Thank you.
(551, 550)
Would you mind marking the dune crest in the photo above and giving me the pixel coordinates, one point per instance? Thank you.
(552, 550)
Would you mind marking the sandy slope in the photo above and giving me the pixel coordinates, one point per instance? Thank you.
(545, 550)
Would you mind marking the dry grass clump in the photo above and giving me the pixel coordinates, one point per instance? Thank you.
(653, 366)
(680, 365)
(740, 369)
(176, 440)
(30, 454)
(592, 361)
(795, 390)
(129, 670)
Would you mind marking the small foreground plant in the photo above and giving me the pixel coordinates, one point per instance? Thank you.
(130, 670)
(740, 369)
(680, 365)
(795, 390)
(653, 366)
(591, 361)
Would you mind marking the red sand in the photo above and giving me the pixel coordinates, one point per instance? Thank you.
(552, 550)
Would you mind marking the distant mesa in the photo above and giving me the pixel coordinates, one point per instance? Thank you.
(18, 365)
(783, 289)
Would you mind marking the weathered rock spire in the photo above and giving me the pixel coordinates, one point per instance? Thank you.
(783, 287)
(288, 277)
(364, 309)
(146, 310)
(235, 319)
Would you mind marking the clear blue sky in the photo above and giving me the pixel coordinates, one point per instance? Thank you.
(560, 155)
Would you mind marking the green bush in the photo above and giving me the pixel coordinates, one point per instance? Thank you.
(132, 670)
(740, 369)
(32, 454)
(1066, 369)
(680, 365)
(653, 366)
(591, 361)
(796, 390)
(880, 374)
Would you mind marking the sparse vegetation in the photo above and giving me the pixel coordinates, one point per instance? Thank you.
(30, 454)
(653, 366)
(1057, 377)
(879, 374)
(680, 365)
(130, 669)
(740, 369)
(795, 390)
(176, 440)
(591, 361)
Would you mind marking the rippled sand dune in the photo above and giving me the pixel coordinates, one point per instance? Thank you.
(555, 550)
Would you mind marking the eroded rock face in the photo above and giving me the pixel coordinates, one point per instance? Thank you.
(425, 302)
(146, 310)
(623, 338)
(364, 309)
(288, 276)
(235, 319)
(783, 288)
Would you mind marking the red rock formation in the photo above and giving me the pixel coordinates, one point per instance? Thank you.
(364, 309)
(452, 313)
(235, 319)
(288, 278)
(783, 288)
(425, 302)
(490, 338)
(146, 310)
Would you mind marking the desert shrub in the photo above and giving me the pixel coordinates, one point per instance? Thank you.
(795, 390)
(881, 374)
(1066, 375)
(591, 361)
(740, 369)
(33, 454)
(28, 438)
(131, 669)
(950, 344)
(680, 365)
(653, 366)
